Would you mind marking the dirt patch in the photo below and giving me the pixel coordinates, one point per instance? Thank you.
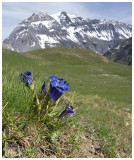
(104, 59)
(88, 149)
(13, 150)
(33, 56)
(129, 116)
(106, 75)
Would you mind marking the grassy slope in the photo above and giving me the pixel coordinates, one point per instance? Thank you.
(83, 68)
(103, 89)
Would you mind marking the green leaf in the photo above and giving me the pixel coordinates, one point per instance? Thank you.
(18, 129)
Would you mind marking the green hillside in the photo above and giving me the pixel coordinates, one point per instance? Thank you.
(88, 72)
(103, 95)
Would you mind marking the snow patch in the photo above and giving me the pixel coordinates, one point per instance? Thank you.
(26, 20)
(117, 47)
(59, 16)
(71, 16)
(33, 44)
(84, 41)
(47, 24)
(45, 39)
(25, 30)
(71, 34)
(121, 32)
(51, 30)
(56, 16)
(22, 25)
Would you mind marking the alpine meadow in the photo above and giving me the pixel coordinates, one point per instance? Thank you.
(67, 80)
(100, 93)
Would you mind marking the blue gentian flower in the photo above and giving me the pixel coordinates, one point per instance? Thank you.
(26, 78)
(57, 87)
(43, 90)
(115, 122)
(54, 78)
(68, 111)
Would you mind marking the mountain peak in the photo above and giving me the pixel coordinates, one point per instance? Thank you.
(41, 13)
(62, 29)
(60, 16)
(68, 15)
(39, 16)
(63, 12)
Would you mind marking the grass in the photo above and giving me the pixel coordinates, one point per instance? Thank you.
(103, 95)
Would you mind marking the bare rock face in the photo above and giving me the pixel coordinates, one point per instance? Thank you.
(121, 53)
(62, 29)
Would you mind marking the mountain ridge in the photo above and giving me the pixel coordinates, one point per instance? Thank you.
(62, 29)
(122, 53)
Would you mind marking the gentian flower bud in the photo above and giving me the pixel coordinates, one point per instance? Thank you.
(43, 90)
(68, 111)
(32, 87)
(26, 78)
(37, 103)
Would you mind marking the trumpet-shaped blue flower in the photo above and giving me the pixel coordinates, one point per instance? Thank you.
(54, 78)
(68, 111)
(26, 78)
(57, 87)
(43, 90)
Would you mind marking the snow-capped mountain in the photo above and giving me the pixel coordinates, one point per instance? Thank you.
(62, 29)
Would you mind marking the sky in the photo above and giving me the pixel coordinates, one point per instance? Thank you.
(15, 12)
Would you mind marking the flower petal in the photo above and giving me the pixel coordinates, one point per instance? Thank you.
(66, 112)
(26, 78)
(43, 90)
